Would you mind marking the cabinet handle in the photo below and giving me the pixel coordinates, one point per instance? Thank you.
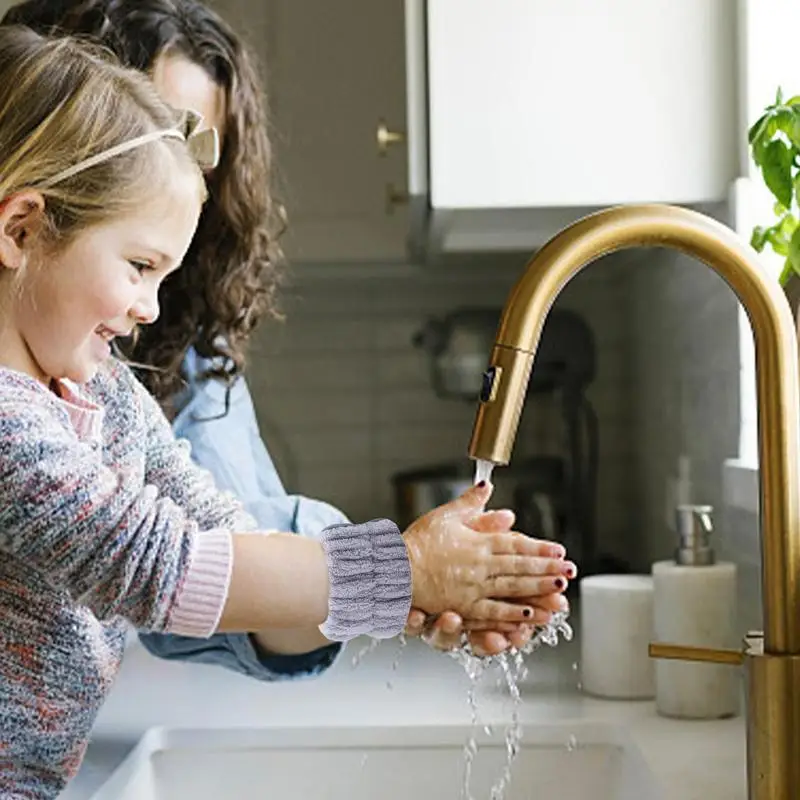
(395, 197)
(385, 137)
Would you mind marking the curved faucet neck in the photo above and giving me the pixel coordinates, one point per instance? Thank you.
(562, 258)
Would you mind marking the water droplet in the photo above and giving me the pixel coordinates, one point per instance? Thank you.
(572, 742)
(365, 651)
(401, 646)
(487, 729)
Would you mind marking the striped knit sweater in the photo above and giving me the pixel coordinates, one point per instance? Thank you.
(103, 519)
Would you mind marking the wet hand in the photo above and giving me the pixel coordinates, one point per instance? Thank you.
(445, 631)
(463, 559)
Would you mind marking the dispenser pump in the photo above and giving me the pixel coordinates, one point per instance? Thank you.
(694, 525)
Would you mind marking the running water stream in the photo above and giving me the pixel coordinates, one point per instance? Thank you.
(512, 671)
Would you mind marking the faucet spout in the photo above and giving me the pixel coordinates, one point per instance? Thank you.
(774, 666)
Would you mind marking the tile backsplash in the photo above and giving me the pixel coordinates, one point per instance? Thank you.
(344, 399)
(684, 330)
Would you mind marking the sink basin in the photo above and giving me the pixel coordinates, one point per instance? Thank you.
(565, 760)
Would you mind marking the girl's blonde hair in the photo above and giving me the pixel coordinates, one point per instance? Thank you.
(63, 101)
(234, 268)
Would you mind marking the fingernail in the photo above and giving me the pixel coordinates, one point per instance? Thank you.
(451, 625)
(481, 485)
(560, 583)
(527, 612)
(558, 551)
(571, 571)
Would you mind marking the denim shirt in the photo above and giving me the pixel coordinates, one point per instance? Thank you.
(230, 447)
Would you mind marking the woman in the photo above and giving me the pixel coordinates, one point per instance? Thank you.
(193, 357)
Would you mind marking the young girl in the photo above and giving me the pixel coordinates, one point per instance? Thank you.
(105, 520)
(212, 306)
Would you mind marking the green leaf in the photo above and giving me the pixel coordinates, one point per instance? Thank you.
(758, 128)
(787, 121)
(759, 238)
(794, 251)
(759, 150)
(786, 273)
(777, 239)
(787, 226)
(776, 168)
(778, 242)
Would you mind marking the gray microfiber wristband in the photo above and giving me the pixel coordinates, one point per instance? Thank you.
(370, 580)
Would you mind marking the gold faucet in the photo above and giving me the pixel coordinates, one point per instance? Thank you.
(772, 659)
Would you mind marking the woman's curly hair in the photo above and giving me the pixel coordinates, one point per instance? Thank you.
(231, 273)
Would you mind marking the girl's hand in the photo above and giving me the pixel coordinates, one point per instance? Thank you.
(462, 563)
(444, 631)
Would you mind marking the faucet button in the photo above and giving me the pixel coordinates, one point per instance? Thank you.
(488, 388)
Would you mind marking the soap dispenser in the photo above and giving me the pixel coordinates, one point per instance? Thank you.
(694, 603)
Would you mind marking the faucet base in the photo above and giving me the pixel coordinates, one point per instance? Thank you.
(773, 724)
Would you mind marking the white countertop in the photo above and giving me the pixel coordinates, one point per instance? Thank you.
(693, 760)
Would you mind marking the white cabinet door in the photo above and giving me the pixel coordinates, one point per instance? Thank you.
(579, 102)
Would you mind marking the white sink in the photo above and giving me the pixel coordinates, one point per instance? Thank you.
(580, 761)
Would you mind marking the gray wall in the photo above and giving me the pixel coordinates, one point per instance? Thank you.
(684, 333)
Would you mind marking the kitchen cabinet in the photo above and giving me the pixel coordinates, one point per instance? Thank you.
(334, 70)
(516, 116)
(567, 106)
(536, 103)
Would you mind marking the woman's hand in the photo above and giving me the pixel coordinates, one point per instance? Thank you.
(444, 633)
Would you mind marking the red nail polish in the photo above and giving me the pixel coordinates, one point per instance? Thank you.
(481, 485)
(559, 582)
(526, 612)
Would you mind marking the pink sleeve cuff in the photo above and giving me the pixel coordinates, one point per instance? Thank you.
(202, 596)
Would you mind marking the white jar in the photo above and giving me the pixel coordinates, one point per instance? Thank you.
(616, 624)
